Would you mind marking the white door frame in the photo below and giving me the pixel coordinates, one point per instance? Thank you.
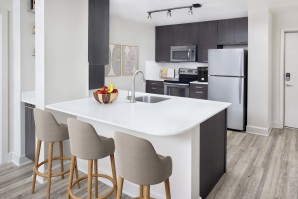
(3, 86)
(282, 76)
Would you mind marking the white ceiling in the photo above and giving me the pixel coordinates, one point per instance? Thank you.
(136, 10)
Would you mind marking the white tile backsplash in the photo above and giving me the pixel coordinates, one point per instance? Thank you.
(152, 69)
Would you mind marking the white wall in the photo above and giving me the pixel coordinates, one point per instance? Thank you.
(286, 19)
(259, 67)
(27, 47)
(66, 50)
(136, 34)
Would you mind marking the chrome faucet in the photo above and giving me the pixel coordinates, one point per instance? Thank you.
(133, 85)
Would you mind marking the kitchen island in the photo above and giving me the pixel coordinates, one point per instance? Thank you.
(191, 131)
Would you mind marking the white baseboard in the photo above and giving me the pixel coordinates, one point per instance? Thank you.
(129, 188)
(258, 130)
(19, 160)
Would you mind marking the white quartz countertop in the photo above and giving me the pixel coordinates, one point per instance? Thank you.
(29, 97)
(174, 116)
(197, 82)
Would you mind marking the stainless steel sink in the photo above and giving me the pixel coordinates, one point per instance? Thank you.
(151, 99)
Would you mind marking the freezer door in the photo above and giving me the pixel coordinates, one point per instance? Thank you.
(226, 62)
(229, 89)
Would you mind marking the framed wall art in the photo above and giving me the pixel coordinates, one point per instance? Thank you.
(130, 59)
(114, 67)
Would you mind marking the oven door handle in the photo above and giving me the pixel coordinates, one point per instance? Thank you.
(176, 85)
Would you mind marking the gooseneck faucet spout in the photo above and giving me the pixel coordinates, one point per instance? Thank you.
(133, 85)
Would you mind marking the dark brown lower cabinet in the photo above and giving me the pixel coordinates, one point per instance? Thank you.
(29, 132)
(198, 91)
(213, 151)
(155, 87)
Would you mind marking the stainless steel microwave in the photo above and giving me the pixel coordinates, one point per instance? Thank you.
(183, 53)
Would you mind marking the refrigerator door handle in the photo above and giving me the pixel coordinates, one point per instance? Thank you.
(188, 54)
(241, 63)
(240, 90)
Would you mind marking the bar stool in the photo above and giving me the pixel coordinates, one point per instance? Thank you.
(138, 163)
(86, 144)
(48, 130)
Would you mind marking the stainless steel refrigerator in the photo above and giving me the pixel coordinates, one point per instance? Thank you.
(228, 83)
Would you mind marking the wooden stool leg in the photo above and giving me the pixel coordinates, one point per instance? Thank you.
(112, 158)
(35, 164)
(61, 160)
(96, 178)
(147, 192)
(141, 191)
(77, 171)
(120, 187)
(90, 164)
(70, 180)
(50, 156)
(168, 191)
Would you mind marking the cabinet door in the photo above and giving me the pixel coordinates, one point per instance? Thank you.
(207, 39)
(98, 32)
(226, 35)
(241, 30)
(163, 41)
(29, 132)
(182, 34)
(155, 90)
(198, 91)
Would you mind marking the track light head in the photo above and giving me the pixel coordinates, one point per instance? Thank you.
(169, 14)
(190, 12)
(149, 16)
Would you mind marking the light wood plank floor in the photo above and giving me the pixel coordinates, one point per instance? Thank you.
(257, 167)
(260, 167)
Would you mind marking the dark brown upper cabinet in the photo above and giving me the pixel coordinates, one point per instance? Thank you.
(183, 34)
(98, 32)
(226, 32)
(163, 41)
(207, 39)
(241, 30)
(233, 31)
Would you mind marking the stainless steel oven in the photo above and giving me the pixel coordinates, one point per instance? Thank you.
(176, 89)
(183, 53)
(180, 87)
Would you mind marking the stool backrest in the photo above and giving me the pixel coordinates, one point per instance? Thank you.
(136, 159)
(46, 127)
(85, 143)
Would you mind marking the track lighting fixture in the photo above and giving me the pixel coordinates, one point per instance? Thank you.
(169, 10)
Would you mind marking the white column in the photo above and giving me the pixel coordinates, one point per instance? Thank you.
(3, 86)
(259, 71)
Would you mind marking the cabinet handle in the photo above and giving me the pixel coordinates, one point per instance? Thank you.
(199, 92)
(242, 42)
(199, 87)
(153, 88)
(153, 83)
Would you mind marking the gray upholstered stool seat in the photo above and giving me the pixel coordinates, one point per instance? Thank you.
(48, 130)
(138, 162)
(86, 144)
